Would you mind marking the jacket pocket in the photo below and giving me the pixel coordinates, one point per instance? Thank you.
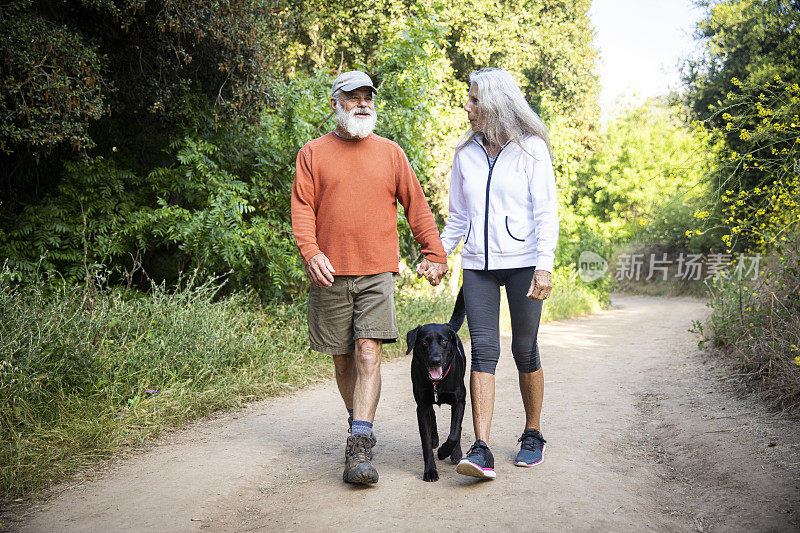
(469, 232)
(508, 234)
(508, 230)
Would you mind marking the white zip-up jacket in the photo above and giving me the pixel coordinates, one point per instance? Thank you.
(510, 209)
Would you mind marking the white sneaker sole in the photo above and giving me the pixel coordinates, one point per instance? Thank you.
(523, 463)
(471, 469)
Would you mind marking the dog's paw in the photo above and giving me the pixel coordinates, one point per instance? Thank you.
(430, 475)
(456, 455)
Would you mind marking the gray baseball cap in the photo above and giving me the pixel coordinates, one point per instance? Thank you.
(349, 81)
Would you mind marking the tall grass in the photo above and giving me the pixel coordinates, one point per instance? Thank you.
(84, 374)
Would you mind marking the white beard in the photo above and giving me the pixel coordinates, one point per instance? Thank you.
(358, 127)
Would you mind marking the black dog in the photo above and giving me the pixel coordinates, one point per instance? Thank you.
(437, 376)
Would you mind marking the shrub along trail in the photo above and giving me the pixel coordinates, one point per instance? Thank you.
(643, 432)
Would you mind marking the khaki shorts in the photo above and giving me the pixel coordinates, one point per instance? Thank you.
(355, 307)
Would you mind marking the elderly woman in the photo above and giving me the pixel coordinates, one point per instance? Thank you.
(503, 201)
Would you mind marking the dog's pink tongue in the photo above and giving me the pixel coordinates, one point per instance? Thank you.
(436, 373)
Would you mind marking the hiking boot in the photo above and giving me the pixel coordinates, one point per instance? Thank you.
(531, 451)
(479, 462)
(357, 457)
(350, 430)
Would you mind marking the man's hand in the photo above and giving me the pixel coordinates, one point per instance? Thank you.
(320, 271)
(541, 285)
(433, 272)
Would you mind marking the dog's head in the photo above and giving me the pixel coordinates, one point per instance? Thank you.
(435, 345)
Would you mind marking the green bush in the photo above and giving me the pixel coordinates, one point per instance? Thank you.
(757, 323)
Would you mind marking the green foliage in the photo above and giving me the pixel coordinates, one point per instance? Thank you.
(418, 107)
(648, 156)
(573, 297)
(74, 229)
(750, 40)
(65, 66)
(194, 212)
(643, 184)
(672, 227)
(344, 33)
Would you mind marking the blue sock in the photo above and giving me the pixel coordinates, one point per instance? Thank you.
(361, 426)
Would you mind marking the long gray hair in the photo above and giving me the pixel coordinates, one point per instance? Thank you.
(506, 115)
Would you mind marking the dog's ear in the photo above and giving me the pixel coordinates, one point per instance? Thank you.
(453, 336)
(411, 339)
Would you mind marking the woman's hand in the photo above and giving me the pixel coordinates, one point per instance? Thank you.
(541, 285)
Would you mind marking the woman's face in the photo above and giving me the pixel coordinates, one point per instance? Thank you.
(472, 107)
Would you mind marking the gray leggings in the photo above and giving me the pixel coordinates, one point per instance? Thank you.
(482, 300)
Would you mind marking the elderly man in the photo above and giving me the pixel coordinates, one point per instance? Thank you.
(344, 218)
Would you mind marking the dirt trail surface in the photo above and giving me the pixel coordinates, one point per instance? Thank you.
(643, 432)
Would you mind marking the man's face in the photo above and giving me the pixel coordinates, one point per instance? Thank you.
(357, 98)
(472, 107)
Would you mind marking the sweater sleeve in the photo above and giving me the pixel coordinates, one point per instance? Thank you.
(304, 217)
(457, 220)
(545, 205)
(418, 214)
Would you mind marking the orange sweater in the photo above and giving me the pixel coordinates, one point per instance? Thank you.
(344, 204)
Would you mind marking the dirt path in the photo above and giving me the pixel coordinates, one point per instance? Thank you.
(644, 432)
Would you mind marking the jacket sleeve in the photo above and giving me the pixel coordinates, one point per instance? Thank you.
(304, 214)
(457, 220)
(418, 214)
(542, 183)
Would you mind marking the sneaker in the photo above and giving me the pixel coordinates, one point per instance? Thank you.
(531, 452)
(357, 457)
(350, 429)
(479, 462)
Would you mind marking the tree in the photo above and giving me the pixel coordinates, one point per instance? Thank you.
(648, 172)
(748, 41)
(66, 64)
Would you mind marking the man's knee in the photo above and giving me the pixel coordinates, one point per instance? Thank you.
(368, 353)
